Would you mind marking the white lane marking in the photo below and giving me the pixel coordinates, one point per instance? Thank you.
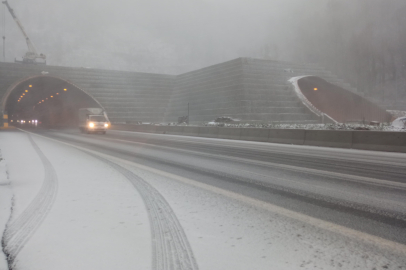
(341, 176)
(324, 225)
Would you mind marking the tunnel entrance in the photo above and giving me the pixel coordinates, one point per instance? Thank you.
(340, 104)
(46, 101)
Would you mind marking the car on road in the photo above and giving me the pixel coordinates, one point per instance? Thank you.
(92, 120)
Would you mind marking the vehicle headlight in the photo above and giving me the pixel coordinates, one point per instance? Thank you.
(91, 124)
(106, 125)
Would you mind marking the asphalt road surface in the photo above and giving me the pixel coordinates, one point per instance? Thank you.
(362, 190)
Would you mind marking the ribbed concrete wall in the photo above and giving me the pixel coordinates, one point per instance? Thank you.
(245, 88)
(126, 96)
(213, 91)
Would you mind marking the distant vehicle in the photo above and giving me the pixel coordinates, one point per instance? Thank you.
(93, 120)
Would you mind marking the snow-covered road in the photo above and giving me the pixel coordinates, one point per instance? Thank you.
(93, 202)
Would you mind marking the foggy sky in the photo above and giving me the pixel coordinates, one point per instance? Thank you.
(169, 36)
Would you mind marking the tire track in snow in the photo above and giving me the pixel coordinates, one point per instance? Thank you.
(170, 246)
(20, 230)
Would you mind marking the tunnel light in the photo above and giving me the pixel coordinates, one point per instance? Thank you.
(26, 90)
(46, 98)
(315, 89)
(52, 96)
(24, 94)
(57, 93)
(42, 100)
(30, 85)
(65, 89)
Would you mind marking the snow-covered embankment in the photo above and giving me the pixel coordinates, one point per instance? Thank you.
(5, 206)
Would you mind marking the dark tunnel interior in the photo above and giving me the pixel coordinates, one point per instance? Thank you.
(47, 101)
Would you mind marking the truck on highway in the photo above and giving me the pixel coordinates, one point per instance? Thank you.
(92, 120)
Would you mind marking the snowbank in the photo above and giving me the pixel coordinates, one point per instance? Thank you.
(338, 126)
(94, 219)
(3, 173)
(399, 123)
(5, 206)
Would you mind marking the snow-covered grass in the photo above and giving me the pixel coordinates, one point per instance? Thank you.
(97, 220)
(5, 207)
(329, 126)
(338, 126)
(381, 127)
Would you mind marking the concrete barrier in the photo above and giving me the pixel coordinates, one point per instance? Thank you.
(329, 138)
(160, 129)
(174, 130)
(365, 140)
(229, 133)
(287, 136)
(190, 131)
(254, 134)
(208, 132)
(119, 127)
(146, 128)
(379, 141)
(137, 128)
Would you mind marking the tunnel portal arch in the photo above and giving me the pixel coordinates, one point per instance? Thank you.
(16, 84)
(52, 100)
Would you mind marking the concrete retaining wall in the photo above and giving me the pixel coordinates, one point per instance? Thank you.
(328, 138)
(365, 140)
(254, 134)
(288, 136)
(379, 141)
